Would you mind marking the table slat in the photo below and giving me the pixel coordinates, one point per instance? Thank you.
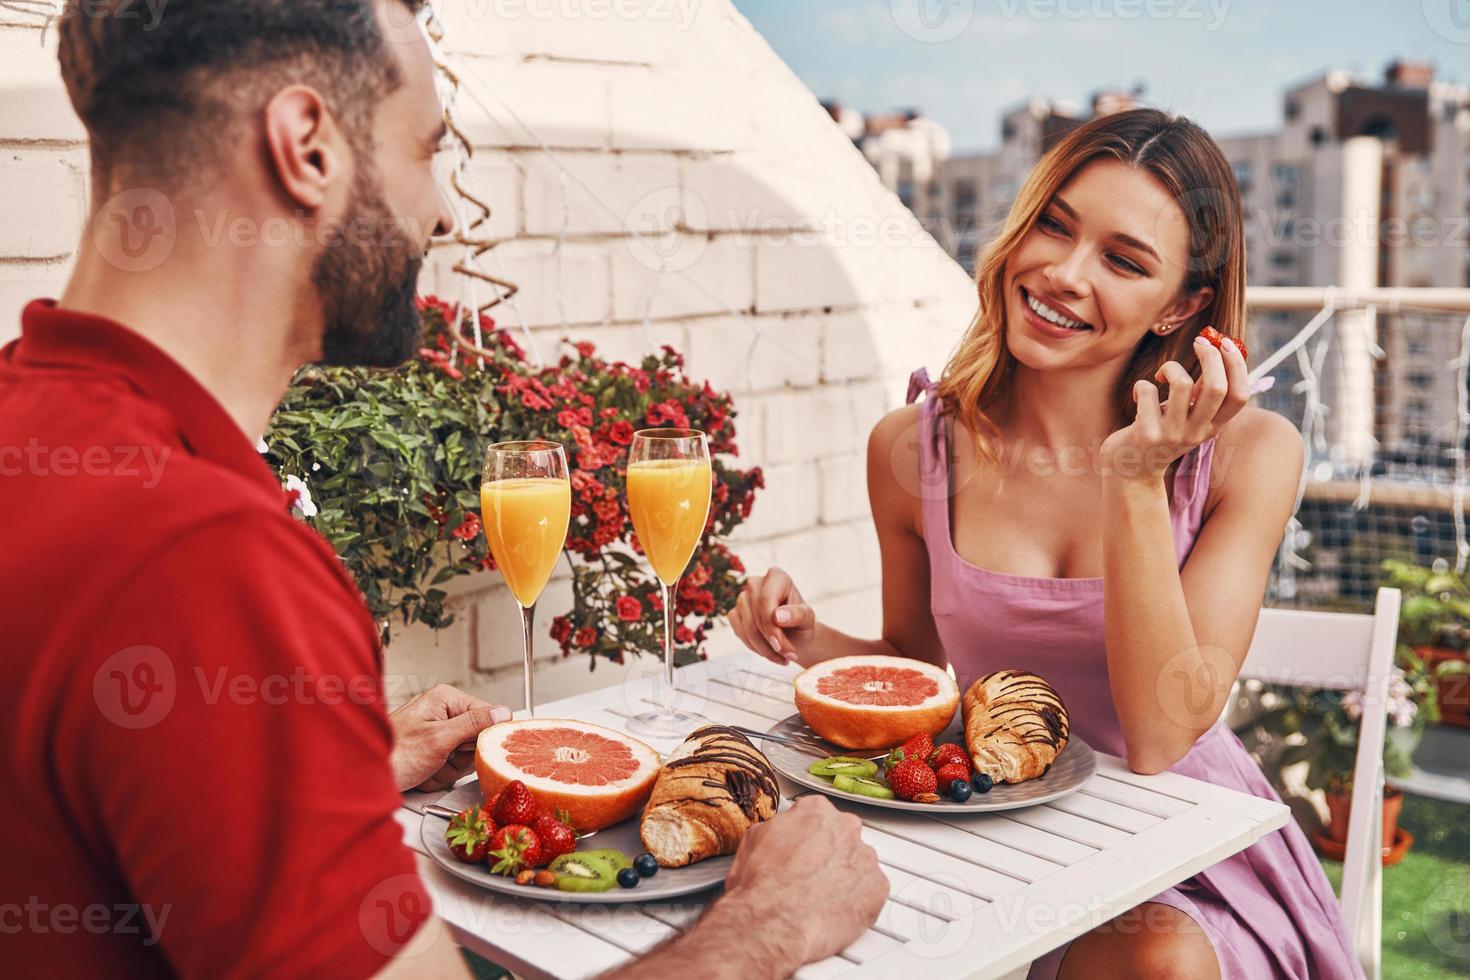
(1070, 826)
(951, 840)
(1105, 812)
(916, 859)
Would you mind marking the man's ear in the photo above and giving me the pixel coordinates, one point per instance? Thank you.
(302, 139)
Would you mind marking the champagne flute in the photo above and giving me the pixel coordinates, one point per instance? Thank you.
(669, 480)
(526, 506)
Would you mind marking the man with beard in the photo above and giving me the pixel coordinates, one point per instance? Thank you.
(201, 775)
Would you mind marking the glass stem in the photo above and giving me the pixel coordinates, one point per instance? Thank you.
(670, 694)
(528, 617)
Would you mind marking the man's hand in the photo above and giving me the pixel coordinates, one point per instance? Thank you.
(434, 736)
(809, 869)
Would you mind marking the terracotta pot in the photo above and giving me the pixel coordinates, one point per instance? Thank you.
(1453, 691)
(1339, 805)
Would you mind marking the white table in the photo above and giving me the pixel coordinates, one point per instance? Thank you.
(972, 897)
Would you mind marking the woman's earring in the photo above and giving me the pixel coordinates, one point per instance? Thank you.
(1165, 328)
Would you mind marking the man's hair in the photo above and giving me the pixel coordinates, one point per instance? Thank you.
(162, 95)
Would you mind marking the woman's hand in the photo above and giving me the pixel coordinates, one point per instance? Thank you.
(1195, 411)
(772, 619)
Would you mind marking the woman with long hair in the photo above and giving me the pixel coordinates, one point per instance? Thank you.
(1087, 494)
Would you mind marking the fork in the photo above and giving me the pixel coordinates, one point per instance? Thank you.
(802, 744)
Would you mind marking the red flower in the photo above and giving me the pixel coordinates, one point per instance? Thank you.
(621, 432)
(586, 636)
(630, 610)
(683, 635)
(470, 529)
(668, 411)
(607, 511)
(585, 348)
(561, 629)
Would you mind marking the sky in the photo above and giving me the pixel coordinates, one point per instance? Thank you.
(1223, 63)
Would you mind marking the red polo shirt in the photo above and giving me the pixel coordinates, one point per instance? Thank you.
(193, 743)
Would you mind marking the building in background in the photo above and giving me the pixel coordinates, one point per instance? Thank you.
(906, 148)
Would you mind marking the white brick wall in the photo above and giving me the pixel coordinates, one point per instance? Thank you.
(770, 224)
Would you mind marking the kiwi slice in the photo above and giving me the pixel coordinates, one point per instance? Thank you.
(843, 765)
(862, 786)
(578, 873)
(614, 858)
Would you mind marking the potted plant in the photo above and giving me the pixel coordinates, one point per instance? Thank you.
(386, 465)
(1434, 620)
(1321, 729)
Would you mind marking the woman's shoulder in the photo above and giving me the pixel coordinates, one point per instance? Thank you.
(892, 427)
(1256, 450)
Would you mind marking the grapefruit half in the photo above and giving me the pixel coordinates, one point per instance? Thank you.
(875, 702)
(597, 775)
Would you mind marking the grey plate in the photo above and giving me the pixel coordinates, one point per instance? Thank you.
(1073, 767)
(668, 883)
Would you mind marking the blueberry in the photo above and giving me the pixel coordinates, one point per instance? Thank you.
(959, 790)
(628, 878)
(646, 865)
(983, 782)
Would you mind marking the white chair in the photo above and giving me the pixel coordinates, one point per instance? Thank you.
(1344, 651)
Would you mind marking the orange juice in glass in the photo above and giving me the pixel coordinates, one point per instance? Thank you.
(526, 506)
(669, 481)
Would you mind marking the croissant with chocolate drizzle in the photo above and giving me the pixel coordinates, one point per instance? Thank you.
(1015, 725)
(713, 789)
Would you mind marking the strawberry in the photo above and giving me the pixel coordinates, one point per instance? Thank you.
(513, 848)
(951, 771)
(468, 836)
(917, 748)
(556, 837)
(950, 754)
(1216, 338)
(515, 805)
(912, 778)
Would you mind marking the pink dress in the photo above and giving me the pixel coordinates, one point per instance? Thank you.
(1269, 910)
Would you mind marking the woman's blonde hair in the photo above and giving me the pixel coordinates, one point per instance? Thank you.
(1190, 165)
